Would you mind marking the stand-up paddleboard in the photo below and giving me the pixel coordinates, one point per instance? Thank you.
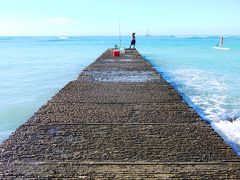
(221, 48)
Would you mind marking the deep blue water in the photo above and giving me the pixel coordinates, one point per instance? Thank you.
(33, 69)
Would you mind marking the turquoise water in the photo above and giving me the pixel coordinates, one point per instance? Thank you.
(32, 69)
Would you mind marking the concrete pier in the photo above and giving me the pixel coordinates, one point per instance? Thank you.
(119, 120)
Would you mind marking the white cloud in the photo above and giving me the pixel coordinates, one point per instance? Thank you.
(61, 20)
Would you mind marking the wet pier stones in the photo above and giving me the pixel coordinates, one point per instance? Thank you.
(118, 120)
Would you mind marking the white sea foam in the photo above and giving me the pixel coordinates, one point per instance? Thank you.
(230, 132)
(206, 90)
(213, 96)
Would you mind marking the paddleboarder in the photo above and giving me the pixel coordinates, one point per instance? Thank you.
(220, 42)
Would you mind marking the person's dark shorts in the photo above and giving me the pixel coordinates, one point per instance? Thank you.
(133, 42)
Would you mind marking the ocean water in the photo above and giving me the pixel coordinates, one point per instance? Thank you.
(33, 69)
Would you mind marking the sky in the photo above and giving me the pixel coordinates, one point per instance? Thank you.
(102, 17)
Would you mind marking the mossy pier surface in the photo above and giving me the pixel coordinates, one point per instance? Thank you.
(119, 120)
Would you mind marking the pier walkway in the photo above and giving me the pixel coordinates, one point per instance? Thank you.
(119, 120)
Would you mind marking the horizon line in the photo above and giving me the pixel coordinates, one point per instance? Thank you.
(117, 35)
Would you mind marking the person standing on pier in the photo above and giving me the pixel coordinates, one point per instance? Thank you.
(133, 41)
